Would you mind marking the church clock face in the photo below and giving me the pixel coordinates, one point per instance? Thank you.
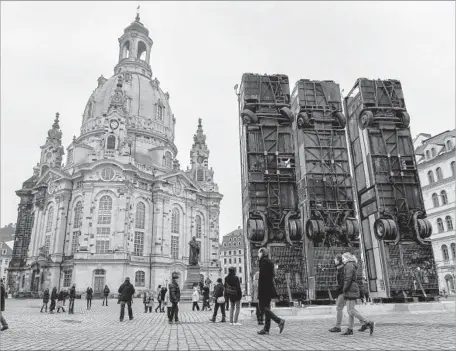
(200, 159)
(114, 124)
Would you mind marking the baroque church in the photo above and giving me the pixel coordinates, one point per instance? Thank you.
(121, 206)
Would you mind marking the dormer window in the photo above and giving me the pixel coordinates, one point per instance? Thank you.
(159, 112)
(433, 152)
(428, 155)
(449, 145)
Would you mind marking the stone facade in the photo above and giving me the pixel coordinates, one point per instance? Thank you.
(121, 206)
(437, 171)
(233, 254)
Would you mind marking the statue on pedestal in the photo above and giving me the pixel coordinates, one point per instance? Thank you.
(194, 252)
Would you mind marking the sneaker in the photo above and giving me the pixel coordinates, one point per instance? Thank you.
(263, 332)
(348, 332)
(281, 326)
(336, 330)
(371, 327)
(4, 328)
(212, 320)
(364, 327)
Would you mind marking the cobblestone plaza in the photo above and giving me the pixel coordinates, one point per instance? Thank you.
(100, 329)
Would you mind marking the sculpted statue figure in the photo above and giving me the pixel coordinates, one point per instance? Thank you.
(194, 252)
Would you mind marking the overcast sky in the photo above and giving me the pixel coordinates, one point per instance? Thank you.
(53, 52)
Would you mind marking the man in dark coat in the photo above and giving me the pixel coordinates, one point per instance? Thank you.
(126, 291)
(340, 304)
(266, 291)
(72, 297)
(174, 298)
(2, 306)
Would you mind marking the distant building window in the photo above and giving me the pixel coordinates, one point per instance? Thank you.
(240, 252)
(433, 152)
(167, 160)
(439, 174)
(240, 260)
(104, 210)
(453, 168)
(140, 215)
(67, 275)
(77, 215)
(47, 244)
(440, 227)
(449, 145)
(140, 278)
(431, 177)
(198, 226)
(229, 253)
(111, 142)
(446, 256)
(49, 219)
(453, 250)
(449, 223)
(175, 247)
(234, 260)
(175, 219)
(160, 112)
(240, 269)
(224, 260)
(75, 242)
(444, 196)
(435, 200)
(226, 271)
(200, 175)
(428, 155)
(139, 244)
(229, 261)
(79, 184)
(102, 240)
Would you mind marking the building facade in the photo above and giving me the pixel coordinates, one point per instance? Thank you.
(121, 206)
(437, 171)
(233, 254)
(6, 253)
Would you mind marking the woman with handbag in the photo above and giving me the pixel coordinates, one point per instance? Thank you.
(219, 297)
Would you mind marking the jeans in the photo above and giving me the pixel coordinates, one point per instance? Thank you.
(122, 310)
(265, 307)
(195, 305)
(222, 307)
(238, 308)
(168, 310)
(174, 312)
(45, 304)
(352, 313)
(340, 304)
(105, 299)
(71, 306)
(89, 303)
(159, 307)
(206, 303)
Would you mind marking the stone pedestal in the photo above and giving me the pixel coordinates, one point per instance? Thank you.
(193, 278)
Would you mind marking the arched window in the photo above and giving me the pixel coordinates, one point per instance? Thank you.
(104, 210)
(175, 221)
(431, 177)
(159, 112)
(449, 223)
(167, 160)
(440, 227)
(453, 250)
(200, 175)
(50, 217)
(449, 145)
(111, 142)
(140, 278)
(198, 226)
(453, 168)
(439, 174)
(444, 196)
(140, 215)
(126, 50)
(142, 51)
(428, 155)
(435, 200)
(445, 254)
(433, 152)
(77, 215)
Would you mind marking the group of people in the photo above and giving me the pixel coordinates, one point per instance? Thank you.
(150, 296)
(60, 298)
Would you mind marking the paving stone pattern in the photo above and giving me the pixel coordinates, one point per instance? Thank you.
(100, 329)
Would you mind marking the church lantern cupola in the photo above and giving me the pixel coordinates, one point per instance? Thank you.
(134, 50)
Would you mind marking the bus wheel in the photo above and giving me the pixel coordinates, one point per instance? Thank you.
(365, 119)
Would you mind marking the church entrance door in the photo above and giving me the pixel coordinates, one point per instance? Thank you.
(99, 281)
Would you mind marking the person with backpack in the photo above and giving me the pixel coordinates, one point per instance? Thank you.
(234, 294)
(351, 293)
(45, 300)
(126, 291)
(89, 294)
(106, 292)
(219, 297)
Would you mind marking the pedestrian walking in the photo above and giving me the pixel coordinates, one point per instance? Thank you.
(259, 313)
(45, 300)
(206, 298)
(351, 293)
(167, 304)
(89, 294)
(2, 306)
(60, 299)
(195, 298)
(266, 292)
(234, 294)
(366, 297)
(219, 297)
(106, 292)
(72, 297)
(126, 291)
(340, 302)
(174, 298)
(159, 299)
(53, 299)
(163, 292)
